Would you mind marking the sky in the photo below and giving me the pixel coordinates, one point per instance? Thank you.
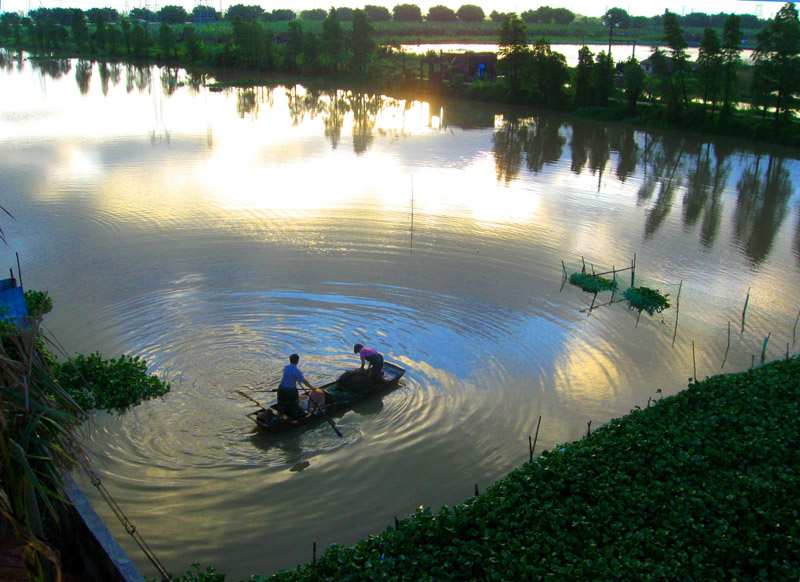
(762, 8)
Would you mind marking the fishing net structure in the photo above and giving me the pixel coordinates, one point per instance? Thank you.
(592, 283)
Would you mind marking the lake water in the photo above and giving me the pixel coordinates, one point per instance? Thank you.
(215, 233)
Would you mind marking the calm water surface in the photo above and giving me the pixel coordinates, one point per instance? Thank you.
(215, 233)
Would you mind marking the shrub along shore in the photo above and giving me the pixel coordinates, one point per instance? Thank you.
(698, 486)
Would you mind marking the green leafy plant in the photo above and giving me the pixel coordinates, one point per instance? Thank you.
(592, 283)
(38, 441)
(38, 302)
(109, 384)
(646, 299)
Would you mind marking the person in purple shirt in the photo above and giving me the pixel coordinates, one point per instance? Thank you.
(288, 398)
(373, 357)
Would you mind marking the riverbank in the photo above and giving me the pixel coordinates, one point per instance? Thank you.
(701, 485)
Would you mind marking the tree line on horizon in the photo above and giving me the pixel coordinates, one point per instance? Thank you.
(667, 86)
(466, 13)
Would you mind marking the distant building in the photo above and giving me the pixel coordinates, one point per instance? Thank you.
(469, 66)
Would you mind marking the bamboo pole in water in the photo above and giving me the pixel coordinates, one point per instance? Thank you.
(764, 349)
(725, 358)
(677, 312)
(747, 299)
(694, 364)
(794, 331)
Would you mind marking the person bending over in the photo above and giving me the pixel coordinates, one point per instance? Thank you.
(375, 360)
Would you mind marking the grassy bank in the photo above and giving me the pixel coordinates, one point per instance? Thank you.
(699, 486)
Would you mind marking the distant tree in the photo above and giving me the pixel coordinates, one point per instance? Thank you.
(344, 14)
(294, 43)
(731, 60)
(140, 40)
(634, 79)
(109, 15)
(441, 14)
(513, 49)
(752, 22)
(80, 31)
(166, 40)
(125, 28)
(100, 30)
(563, 16)
(332, 37)
(709, 67)
(615, 18)
(173, 14)
(696, 20)
(246, 13)
(673, 36)
(470, 13)
(407, 13)
(377, 13)
(602, 80)
(777, 60)
(582, 77)
(362, 41)
(279, 15)
(202, 14)
(548, 73)
(316, 15)
(496, 16)
(190, 45)
(141, 14)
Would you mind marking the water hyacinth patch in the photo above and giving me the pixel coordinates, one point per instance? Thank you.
(701, 486)
(592, 283)
(646, 299)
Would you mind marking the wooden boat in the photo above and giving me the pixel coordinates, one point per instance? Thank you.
(342, 393)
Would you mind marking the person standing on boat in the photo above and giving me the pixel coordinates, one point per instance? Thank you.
(373, 357)
(288, 398)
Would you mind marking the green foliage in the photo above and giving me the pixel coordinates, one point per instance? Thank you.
(592, 283)
(38, 302)
(701, 486)
(108, 384)
(207, 575)
(646, 299)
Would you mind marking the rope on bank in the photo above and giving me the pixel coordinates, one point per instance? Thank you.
(129, 527)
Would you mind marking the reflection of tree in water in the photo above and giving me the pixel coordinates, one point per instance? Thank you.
(542, 142)
(83, 76)
(539, 138)
(703, 197)
(302, 104)
(579, 146)
(623, 141)
(761, 206)
(169, 80)
(55, 68)
(194, 82)
(138, 77)
(668, 180)
(507, 150)
(365, 109)
(109, 73)
(333, 117)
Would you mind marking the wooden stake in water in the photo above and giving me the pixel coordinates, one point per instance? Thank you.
(794, 331)
(725, 359)
(589, 429)
(536, 436)
(633, 269)
(677, 312)
(745, 307)
(694, 364)
(764, 349)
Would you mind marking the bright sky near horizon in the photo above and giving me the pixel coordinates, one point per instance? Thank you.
(762, 8)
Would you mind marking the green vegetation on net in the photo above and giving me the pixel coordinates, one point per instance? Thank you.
(592, 283)
(646, 299)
